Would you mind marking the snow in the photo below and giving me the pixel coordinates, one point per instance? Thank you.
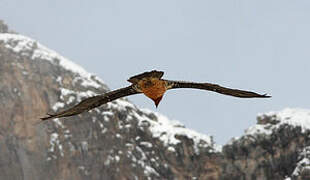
(304, 163)
(80, 95)
(291, 116)
(120, 104)
(85, 94)
(118, 135)
(108, 160)
(70, 100)
(172, 149)
(58, 123)
(84, 145)
(107, 113)
(143, 162)
(55, 142)
(167, 130)
(59, 80)
(67, 133)
(29, 47)
(65, 92)
(146, 144)
(117, 158)
(58, 105)
(259, 129)
(232, 140)
(104, 130)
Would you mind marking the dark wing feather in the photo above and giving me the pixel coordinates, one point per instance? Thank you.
(215, 88)
(93, 102)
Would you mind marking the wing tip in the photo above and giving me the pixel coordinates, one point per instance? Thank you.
(49, 116)
(264, 96)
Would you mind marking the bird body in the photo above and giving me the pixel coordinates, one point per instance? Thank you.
(153, 86)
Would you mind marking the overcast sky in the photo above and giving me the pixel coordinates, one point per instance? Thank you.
(260, 45)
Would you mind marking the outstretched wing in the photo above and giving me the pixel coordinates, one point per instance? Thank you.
(215, 88)
(93, 102)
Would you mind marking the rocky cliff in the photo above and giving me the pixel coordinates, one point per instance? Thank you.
(119, 140)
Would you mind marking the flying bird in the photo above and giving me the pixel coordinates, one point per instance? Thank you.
(153, 86)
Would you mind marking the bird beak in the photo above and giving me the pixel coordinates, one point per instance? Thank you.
(157, 101)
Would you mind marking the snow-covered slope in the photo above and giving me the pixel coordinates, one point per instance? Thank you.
(282, 135)
(25, 46)
(303, 163)
(268, 122)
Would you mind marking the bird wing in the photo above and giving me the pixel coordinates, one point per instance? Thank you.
(215, 88)
(93, 102)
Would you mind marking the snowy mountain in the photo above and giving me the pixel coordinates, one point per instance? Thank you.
(279, 143)
(118, 137)
(119, 140)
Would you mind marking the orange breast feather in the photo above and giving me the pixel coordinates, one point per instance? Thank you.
(153, 88)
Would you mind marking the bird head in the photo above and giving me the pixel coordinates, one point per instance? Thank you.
(157, 100)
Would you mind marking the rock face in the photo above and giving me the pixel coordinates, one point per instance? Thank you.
(118, 140)
(3, 27)
(277, 147)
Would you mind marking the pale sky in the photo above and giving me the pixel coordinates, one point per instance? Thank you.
(261, 45)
